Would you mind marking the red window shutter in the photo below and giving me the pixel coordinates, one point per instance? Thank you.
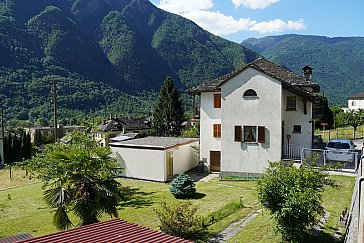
(261, 134)
(238, 134)
(217, 100)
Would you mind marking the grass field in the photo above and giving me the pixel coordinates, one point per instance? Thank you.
(341, 133)
(10, 177)
(22, 209)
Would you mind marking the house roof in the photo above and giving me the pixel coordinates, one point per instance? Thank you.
(116, 230)
(15, 238)
(359, 96)
(290, 80)
(154, 143)
(125, 136)
(117, 124)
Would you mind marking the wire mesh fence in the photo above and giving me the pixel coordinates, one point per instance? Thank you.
(347, 160)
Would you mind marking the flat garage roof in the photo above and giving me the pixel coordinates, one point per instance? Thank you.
(155, 143)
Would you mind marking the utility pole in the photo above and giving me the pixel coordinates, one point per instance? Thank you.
(55, 109)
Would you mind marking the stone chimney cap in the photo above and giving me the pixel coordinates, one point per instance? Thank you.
(307, 67)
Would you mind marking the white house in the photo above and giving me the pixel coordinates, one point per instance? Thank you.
(156, 158)
(356, 102)
(258, 113)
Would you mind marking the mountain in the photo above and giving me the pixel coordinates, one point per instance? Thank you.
(338, 62)
(102, 52)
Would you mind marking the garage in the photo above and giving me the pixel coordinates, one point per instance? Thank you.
(156, 158)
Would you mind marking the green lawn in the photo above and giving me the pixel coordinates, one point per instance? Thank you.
(341, 133)
(22, 209)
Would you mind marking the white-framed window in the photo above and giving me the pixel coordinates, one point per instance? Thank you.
(297, 129)
(253, 134)
(291, 103)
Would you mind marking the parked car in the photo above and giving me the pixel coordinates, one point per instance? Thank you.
(341, 150)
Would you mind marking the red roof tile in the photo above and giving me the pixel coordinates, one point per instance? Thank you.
(116, 230)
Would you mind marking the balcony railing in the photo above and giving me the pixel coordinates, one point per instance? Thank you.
(292, 152)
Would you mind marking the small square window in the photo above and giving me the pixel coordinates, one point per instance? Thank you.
(217, 130)
(291, 103)
(297, 128)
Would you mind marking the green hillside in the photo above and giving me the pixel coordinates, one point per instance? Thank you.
(102, 52)
(338, 62)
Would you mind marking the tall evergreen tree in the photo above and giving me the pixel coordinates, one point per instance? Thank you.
(168, 114)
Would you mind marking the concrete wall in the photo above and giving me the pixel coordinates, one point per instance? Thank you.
(265, 110)
(142, 163)
(297, 117)
(209, 116)
(355, 104)
(185, 158)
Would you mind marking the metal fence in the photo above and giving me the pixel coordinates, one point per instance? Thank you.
(355, 219)
(348, 160)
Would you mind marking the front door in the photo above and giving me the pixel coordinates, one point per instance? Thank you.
(215, 161)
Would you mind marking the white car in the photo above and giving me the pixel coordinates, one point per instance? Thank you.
(340, 150)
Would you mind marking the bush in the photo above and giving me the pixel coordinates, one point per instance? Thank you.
(182, 186)
(180, 220)
(293, 196)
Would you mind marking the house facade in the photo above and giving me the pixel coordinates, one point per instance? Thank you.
(259, 113)
(356, 102)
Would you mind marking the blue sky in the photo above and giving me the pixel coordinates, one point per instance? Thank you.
(237, 20)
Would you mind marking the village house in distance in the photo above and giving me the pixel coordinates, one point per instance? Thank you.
(356, 102)
(258, 113)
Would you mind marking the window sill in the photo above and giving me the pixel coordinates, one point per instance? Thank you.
(251, 142)
(297, 132)
(291, 109)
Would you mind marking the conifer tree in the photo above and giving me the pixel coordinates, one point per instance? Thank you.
(168, 114)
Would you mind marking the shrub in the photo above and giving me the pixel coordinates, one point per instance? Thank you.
(182, 186)
(180, 220)
(293, 196)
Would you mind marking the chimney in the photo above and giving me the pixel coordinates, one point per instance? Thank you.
(110, 116)
(307, 72)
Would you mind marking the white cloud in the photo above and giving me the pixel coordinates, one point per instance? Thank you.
(278, 25)
(253, 4)
(218, 23)
(184, 6)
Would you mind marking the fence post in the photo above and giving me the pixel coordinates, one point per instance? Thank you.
(337, 134)
(329, 135)
(324, 157)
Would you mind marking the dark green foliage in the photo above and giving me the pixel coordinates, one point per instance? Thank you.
(191, 132)
(17, 147)
(322, 112)
(182, 186)
(180, 220)
(168, 114)
(293, 196)
(101, 53)
(82, 179)
(338, 61)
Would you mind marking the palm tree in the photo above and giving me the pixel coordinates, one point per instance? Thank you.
(78, 177)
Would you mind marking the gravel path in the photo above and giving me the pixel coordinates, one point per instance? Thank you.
(234, 228)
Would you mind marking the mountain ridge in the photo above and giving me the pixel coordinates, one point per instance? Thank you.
(102, 52)
(338, 61)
